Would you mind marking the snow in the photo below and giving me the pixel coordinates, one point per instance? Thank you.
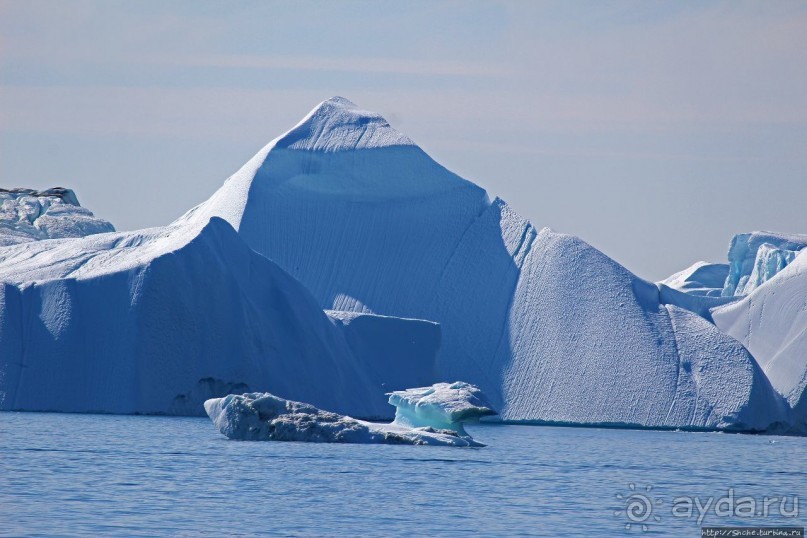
(159, 320)
(701, 278)
(587, 342)
(29, 215)
(549, 328)
(442, 406)
(698, 288)
(339, 125)
(763, 305)
(756, 257)
(771, 322)
(265, 417)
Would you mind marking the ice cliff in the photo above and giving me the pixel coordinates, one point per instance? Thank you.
(756, 257)
(397, 352)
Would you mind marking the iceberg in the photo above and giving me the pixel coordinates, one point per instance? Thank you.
(444, 406)
(30, 215)
(771, 322)
(342, 263)
(550, 329)
(159, 320)
(265, 417)
(756, 257)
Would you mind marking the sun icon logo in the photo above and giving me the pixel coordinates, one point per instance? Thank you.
(638, 508)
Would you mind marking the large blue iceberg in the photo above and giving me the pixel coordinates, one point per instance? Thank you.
(424, 277)
(551, 329)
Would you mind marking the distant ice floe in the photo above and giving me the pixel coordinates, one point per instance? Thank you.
(30, 215)
(265, 417)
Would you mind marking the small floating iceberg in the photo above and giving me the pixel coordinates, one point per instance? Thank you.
(266, 417)
(443, 406)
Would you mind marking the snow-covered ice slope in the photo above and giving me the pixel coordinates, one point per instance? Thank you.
(266, 417)
(547, 326)
(585, 341)
(701, 278)
(159, 320)
(756, 257)
(29, 215)
(772, 323)
(352, 208)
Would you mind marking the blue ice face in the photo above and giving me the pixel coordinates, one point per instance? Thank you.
(755, 258)
(442, 406)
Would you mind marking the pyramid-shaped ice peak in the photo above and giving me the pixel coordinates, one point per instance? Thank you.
(337, 124)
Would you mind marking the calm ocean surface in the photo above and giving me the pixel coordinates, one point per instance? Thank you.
(64, 475)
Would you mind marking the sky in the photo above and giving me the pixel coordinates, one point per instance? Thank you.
(653, 130)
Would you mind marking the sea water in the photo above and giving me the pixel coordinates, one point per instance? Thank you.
(67, 474)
